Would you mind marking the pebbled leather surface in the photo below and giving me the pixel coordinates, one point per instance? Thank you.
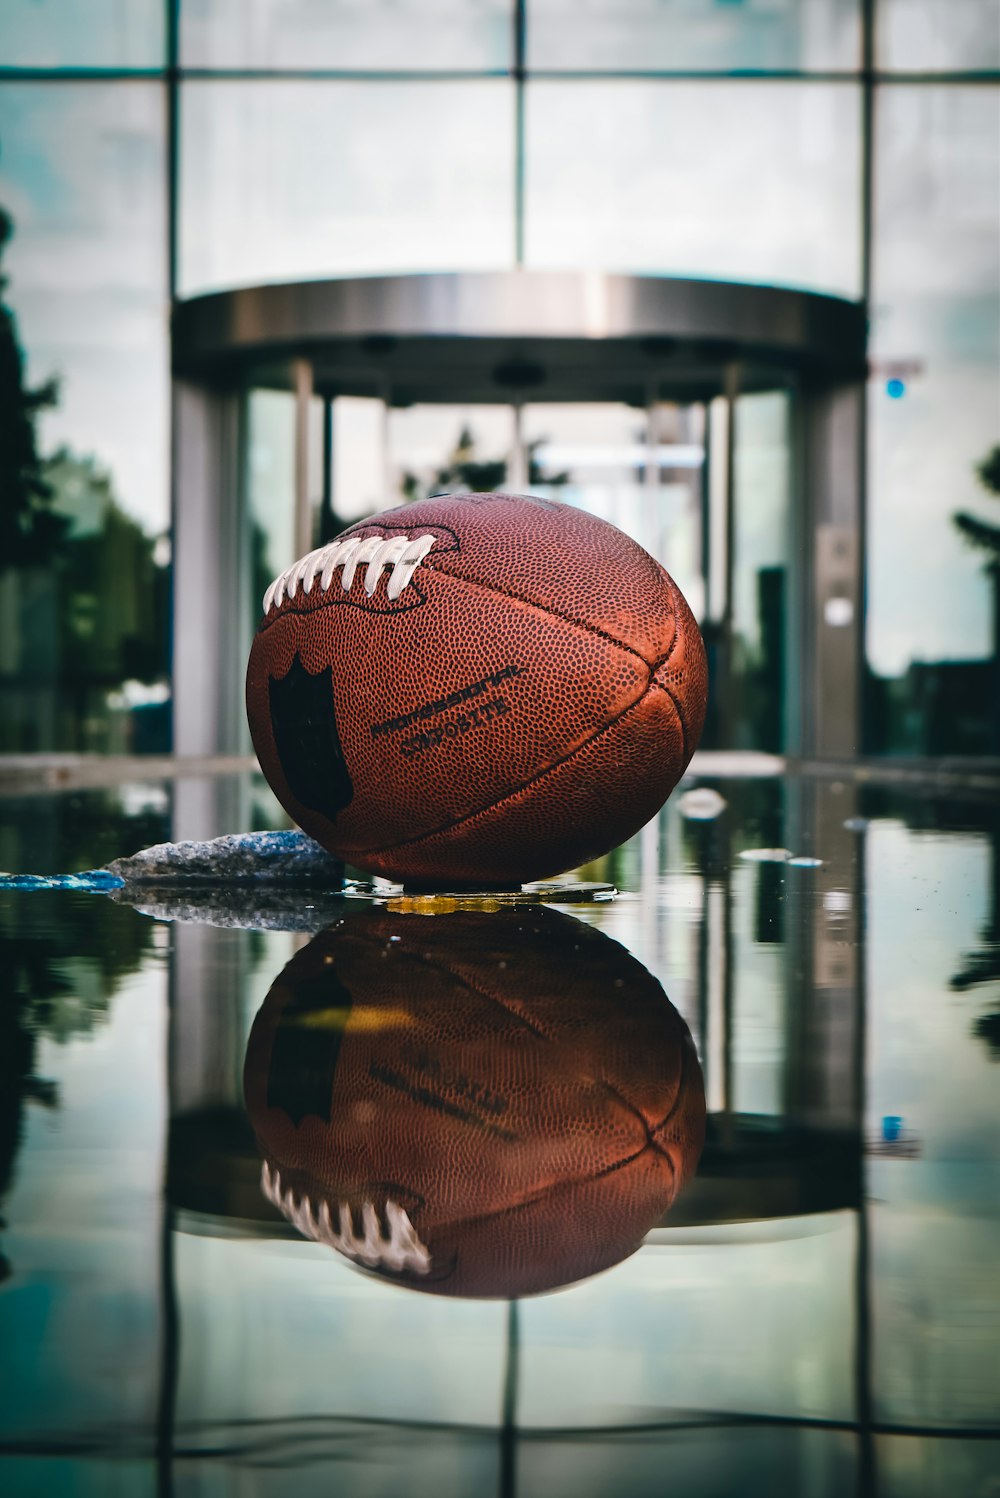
(515, 1080)
(581, 681)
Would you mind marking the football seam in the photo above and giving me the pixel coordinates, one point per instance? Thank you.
(659, 686)
(640, 1117)
(582, 624)
(558, 1188)
(440, 966)
(492, 806)
(688, 1054)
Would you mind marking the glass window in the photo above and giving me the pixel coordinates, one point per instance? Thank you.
(286, 181)
(272, 1366)
(932, 1181)
(84, 580)
(761, 605)
(84, 1034)
(66, 34)
(598, 457)
(938, 36)
(359, 478)
(692, 35)
(270, 488)
(438, 448)
(746, 181)
(407, 34)
(719, 1321)
(934, 399)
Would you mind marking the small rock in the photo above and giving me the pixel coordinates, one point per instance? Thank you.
(288, 858)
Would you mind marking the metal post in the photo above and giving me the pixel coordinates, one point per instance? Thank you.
(507, 1484)
(302, 374)
(835, 437)
(326, 514)
(651, 472)
(209, 640)
(385, 437)
(519, 457)
(724, 672)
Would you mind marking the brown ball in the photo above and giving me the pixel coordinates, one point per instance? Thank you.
(475, 689)
(473, 1104)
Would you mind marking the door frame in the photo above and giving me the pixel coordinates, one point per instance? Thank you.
(514, 337)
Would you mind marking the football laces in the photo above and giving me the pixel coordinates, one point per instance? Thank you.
(400, 1251)
(374, 553)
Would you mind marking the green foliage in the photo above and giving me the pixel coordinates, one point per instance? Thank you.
(537, 474)
(988, 471)
(466, 472)
(29, 529)
(111, 593)
(980, 534)
(85, 597)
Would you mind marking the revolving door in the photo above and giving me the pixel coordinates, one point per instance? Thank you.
(718, 425)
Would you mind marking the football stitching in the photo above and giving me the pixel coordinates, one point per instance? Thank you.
(329, 598)
(374, 523)
(345, 601)
(517, 791)
(539, 1194)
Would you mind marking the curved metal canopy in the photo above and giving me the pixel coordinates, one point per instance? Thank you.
(518, 335)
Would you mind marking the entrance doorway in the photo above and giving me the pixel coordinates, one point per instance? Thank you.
(719, 426)
(664, 475)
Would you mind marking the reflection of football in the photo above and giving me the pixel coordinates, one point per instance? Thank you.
(475, 688)
(473, 1104)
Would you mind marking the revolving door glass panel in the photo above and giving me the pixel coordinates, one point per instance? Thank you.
(763, 582)
(704, 486)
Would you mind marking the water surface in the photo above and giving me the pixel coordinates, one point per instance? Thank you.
(815, 1311)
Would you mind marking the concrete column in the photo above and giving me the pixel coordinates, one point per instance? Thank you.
(211, 616)
(834, 601)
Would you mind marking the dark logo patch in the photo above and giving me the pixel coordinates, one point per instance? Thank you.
(306, 1047)
(304, 724)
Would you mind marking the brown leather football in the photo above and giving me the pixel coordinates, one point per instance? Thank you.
(478, 688)
(473, 1104)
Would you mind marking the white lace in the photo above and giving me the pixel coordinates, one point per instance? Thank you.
(402, 1250)
(379, 552)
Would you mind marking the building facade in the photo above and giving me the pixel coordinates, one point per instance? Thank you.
(162, 154)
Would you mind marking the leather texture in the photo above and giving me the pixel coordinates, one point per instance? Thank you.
(514, 1080)
(528, 702)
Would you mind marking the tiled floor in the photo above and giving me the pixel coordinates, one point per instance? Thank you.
(816, 1313)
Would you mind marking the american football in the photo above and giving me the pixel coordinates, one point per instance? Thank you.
(477, 688)
(473, 1104)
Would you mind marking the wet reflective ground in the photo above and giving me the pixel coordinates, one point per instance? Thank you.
(415, 1204)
